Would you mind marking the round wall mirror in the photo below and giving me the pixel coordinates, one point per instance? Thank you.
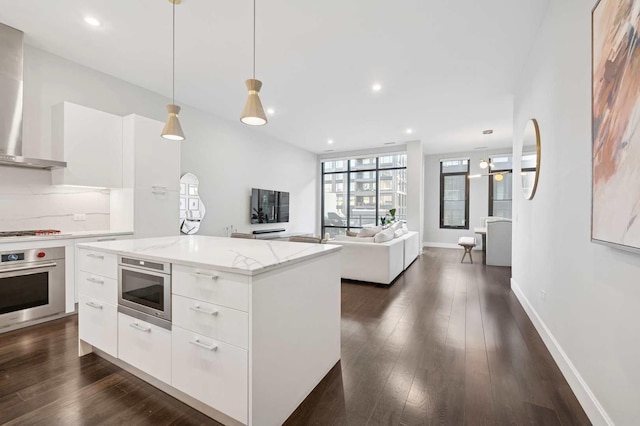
(530, 159)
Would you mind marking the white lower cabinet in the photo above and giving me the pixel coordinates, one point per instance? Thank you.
(211, 371)
(145, 346)
(98, 324)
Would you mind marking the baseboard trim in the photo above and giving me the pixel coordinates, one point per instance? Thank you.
(586, 397)
(446, 245)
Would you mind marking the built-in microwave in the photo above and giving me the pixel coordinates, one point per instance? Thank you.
(144, 290)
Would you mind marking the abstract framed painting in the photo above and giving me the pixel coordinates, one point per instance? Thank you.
(615, 208)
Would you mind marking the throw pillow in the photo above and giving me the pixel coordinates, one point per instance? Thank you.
(369, 232)
(384, 236)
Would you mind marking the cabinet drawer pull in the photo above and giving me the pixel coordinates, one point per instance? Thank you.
(140, 328)
(197, 342)
(197, 308)
(209, 276)
(95, 280)
(95, 256)
(93, 305)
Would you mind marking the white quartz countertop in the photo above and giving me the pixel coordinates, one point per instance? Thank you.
(65, 236)
(237, 255)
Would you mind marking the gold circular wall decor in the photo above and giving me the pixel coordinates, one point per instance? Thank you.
(530, 158)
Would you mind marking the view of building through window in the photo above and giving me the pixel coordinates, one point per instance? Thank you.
(500, 192)
(360, 192)
(454, 194)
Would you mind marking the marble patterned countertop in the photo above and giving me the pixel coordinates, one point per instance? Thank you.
(236, 255)
(64, 236)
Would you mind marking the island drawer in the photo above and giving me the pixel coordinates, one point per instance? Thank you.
(98, 324)
(145, 346)
(102, 288)
(211, 371)
(214, 321)
(220, 288)
(99, 263)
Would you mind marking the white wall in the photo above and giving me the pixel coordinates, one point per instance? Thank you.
(228, 157)
(590, 315)
(478, 198)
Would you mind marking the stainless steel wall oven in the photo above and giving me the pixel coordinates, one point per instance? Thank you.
(32, 284)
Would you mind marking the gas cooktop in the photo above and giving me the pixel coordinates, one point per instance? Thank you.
(34, 233)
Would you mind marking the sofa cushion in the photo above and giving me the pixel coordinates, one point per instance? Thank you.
(384, 236)
(369, 232)
(398, 233)
(351, 234)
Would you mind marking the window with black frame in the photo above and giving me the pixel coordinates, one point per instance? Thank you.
(359, 192)
(501, 188)
(454, 194)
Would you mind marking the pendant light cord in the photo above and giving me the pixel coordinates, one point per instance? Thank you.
(254, 39)
(173, 56)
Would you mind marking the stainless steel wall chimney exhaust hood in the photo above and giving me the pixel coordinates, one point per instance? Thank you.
(11, 95)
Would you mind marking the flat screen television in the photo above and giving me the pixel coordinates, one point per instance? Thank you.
(269, 206)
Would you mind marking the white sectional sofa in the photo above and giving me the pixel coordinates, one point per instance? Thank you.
(380, 263)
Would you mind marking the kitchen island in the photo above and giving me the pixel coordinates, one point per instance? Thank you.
(254, 325)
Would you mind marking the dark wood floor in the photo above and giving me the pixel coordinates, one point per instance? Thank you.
(448, 343)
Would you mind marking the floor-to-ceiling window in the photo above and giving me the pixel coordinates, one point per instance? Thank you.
(358, 192)
(454, 194)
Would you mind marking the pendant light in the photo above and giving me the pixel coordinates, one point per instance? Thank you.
(172, 129)
(253, 113)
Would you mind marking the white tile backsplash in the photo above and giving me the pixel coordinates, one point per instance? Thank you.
(29, 201)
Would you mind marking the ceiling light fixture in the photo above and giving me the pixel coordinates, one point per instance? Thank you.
(271, 111)
(409, 131)
(330, 141)
(484, 164)
(92, 21)
(376, 87)
(253, 113)
(172, 128)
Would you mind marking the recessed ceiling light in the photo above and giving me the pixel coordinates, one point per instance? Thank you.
(376, 87)
(487, 132)
(92, 21)
(481, 147)
(329, 150)
(389, 143)
(409, 131)
(330, 141)
(271, 111)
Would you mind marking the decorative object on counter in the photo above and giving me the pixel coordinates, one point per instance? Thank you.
(253, 113)
(172, 129)
(615, 121)
(192, 208)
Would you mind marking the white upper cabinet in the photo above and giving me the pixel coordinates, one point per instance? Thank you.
(90, 141)
(156, 161)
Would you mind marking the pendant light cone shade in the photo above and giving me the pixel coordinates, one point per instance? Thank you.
(253, 113)
(172, 128)
(498, 177)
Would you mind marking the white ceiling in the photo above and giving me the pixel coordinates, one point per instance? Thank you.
(447, 67)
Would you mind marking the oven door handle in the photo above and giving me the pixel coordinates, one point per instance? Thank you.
(27, 268)
(140, 328)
